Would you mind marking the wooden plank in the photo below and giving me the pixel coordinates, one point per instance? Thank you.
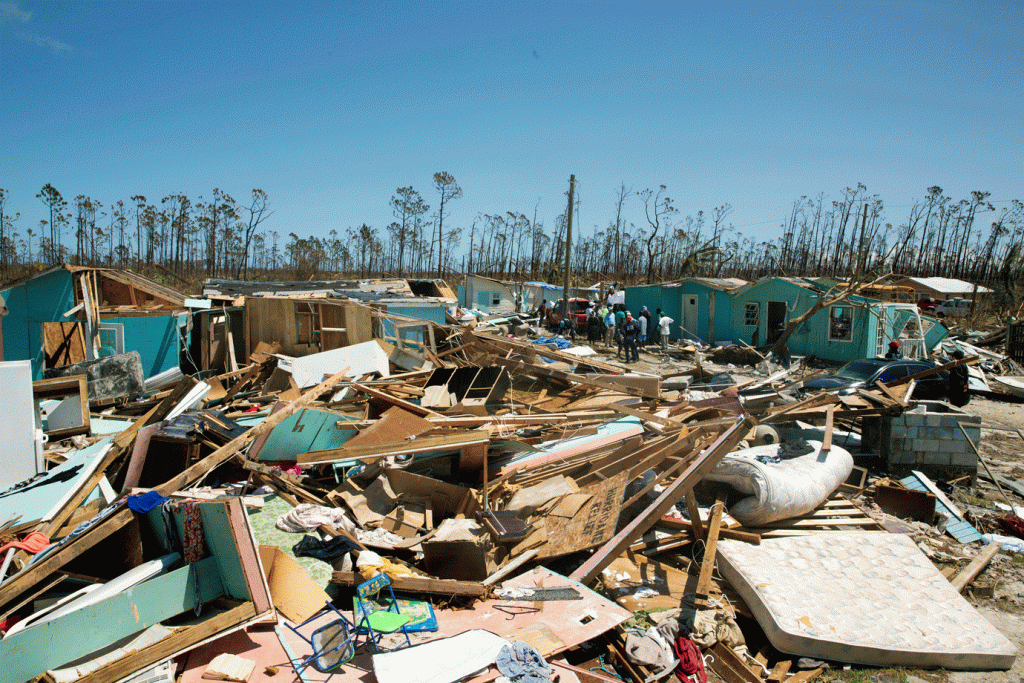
(780, 670)
(373, 452)
(976, 566)
(696, 526)
(826, 444)
(179, 641)
(707, 565)
(419, 584)
(387, 398)
(701, 465)
(730, 666)
(511, 566)
(884, 388)
(804, 676)
(55, 559)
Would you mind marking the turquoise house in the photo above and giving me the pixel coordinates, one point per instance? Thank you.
(855, 328)
(53, 314)
(701, 307)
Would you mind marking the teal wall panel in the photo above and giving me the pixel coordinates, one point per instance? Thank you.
(29, 653)
(43, 299)
(156, 338)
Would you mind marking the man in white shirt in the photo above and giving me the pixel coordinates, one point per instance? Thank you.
(663, 330)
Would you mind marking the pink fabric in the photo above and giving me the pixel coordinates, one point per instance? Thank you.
(32, 543)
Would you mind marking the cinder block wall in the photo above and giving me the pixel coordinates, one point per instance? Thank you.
(927, 438)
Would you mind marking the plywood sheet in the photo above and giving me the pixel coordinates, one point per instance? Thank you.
(592, 524)
(894, 609)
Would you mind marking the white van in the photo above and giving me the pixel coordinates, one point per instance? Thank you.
(955, 308)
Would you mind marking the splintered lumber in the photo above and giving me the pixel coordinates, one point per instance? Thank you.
(388, 398)
(778, 673)
(804, 676)
(419, 584)
(698, 468)
(730, 666)
(707, 565)
(232, 448)
(976, 566)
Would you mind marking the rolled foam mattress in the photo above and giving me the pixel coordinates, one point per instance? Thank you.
(861, 598)
(785, 489)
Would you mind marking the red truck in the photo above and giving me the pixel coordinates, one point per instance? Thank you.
(577, 309)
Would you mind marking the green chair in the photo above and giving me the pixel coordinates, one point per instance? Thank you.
(376, 614)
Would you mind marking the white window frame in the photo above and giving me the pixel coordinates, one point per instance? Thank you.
(118, 330)
(495, 298)
(757, 314)
(831, 317)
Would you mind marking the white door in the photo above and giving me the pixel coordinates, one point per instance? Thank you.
(689, 315)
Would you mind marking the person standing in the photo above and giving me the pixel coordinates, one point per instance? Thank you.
(894, 351)
(653, 337)
(642, 321)
(609, 327)
(959, 389)
(630, 334)
(620, 322)
(664, 325)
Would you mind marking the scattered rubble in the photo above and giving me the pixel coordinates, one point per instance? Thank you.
(537, 511)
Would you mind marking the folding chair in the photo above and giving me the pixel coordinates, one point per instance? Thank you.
(333, 643)
(376, 616)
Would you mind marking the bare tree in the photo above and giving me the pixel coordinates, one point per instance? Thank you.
(259, 211)
(445, 184)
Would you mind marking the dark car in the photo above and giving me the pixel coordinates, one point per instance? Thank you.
(577, 309)
(862, 374)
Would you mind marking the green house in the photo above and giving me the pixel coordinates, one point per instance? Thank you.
(69, 314)
(701, 307)
(857, 327)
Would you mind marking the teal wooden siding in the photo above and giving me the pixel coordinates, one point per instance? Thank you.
(42, 299)
(156, 338)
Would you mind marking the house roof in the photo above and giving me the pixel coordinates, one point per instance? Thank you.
(947, 285)
(125, 277)
(719, 283)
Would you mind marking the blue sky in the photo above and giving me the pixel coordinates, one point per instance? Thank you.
(330, 107)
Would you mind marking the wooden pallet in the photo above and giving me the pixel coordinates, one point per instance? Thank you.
(835, 515)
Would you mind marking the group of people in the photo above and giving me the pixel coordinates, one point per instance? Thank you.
(617, 326)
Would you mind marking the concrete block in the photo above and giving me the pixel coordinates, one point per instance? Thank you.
(912, 432)
(914, 419)
(937, 458)
(964, 459)
(902, 457)
(932, 420)
(898, 431)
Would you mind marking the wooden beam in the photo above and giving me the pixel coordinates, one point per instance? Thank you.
(707, 565)
(976, 566)
(422, 444)
(696, 526)
(701, 465)
(419, 584)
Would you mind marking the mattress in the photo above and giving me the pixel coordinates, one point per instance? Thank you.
(781, 490)
(871, 599)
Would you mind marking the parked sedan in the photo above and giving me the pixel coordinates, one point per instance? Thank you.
(862, 374)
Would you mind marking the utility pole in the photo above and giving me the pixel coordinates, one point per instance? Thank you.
(568, 246)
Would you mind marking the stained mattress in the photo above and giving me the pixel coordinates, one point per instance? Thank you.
(870, 599)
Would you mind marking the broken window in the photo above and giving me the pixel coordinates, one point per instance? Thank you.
(495, 298)
(840, 324)
(752, 315)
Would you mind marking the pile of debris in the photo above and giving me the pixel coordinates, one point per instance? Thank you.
(536, 513)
